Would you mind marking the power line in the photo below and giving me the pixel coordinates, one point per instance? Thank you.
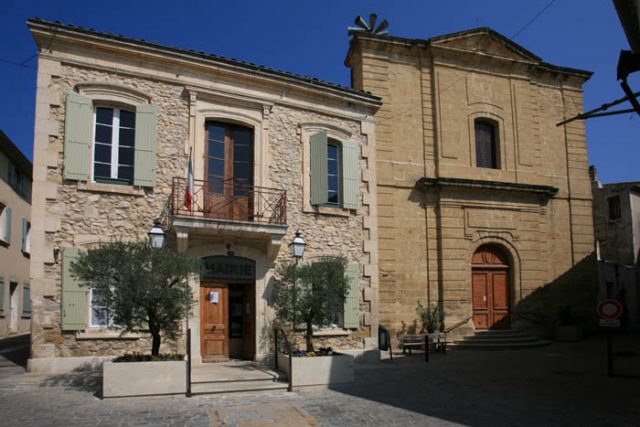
(533, 19)
(22, 64)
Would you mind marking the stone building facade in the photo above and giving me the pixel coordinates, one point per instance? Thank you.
(482, 198)
(261, 141)
(15, 239)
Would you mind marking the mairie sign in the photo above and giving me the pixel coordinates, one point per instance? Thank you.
(228, 268)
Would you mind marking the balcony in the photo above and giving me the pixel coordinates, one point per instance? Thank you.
(229, 209)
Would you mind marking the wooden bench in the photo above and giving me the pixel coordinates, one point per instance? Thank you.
(436, 341)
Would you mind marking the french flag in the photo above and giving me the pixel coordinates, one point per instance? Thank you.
(188, 192)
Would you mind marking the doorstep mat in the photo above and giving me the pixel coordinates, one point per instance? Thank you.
(274, 414)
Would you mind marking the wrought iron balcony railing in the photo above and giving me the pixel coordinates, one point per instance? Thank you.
(230, 200)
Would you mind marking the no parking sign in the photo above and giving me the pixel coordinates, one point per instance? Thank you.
(610, 311)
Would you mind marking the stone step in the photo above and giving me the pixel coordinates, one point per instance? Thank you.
(226, 373)
(498, 339)
(237, 387)
(498, 346)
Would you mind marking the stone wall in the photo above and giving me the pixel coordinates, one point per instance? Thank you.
(85, 214)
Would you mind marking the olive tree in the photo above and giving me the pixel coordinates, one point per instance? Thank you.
(311, 293)
(140, 285)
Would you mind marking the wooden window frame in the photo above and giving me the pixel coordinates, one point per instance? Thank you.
(331, 142)
(115, 145)
(494, 149)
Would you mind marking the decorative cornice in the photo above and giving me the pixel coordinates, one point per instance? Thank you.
(545, 190)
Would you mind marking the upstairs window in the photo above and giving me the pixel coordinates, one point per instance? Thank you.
(333, 173)
(614, 207)
(487, 153)
(5, 224)
(114, 145)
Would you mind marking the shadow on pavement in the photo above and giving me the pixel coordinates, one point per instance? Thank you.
(84, 378)
(562, 384)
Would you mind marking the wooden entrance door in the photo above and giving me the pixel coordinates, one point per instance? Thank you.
(229, 171)
(214, 341)
(490, 289)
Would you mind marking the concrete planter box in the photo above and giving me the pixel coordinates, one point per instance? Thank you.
(143, 378)
(323, 370)
(569, 333)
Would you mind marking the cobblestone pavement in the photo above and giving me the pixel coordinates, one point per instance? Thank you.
(562, 384)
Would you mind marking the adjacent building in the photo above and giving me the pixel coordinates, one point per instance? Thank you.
(616, 218)
(15, 239)
(482, 198)
(273, 153)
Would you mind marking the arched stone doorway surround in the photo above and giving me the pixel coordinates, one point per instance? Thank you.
(495, 283)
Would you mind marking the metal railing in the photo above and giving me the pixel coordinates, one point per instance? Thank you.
(230, 200)
(287, 348)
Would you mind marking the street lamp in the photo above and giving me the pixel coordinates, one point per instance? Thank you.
(297, 250)
(297, 246)
(156, 235)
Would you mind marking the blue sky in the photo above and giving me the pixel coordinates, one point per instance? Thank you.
(310, 38)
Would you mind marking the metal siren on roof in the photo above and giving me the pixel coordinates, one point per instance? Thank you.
(370, 27)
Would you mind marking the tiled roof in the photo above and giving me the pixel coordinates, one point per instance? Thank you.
(307, 80)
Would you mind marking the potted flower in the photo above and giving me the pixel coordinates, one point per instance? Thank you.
(309, 294)
(143, 288)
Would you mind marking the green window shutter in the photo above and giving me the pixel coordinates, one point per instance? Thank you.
(352, 302)
(26, 300)
(7, 225)
(144, 168)
(350, 175)
(1, 295)
(74, 297)
(318, 166)
(78, 126)
(24, 235)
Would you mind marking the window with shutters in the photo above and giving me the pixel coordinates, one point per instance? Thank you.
(334, 177)
(113, 145)
(110, 137)
(487, 145)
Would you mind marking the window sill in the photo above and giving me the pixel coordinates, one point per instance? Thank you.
(4, 243)
(332, 332)
(26, 254)
(106, 334)
(110, 188)
(329, 210)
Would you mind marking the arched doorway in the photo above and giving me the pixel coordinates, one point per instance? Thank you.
(490, 288)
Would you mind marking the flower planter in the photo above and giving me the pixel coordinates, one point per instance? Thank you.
(143, 378)
(323, 370)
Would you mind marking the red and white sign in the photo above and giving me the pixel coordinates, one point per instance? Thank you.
(609, 309)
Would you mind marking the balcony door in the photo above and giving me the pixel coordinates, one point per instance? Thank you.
(229, 171)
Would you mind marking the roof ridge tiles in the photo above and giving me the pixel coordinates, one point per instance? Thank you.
(203, 55)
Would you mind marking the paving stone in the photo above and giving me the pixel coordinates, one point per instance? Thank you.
(562, 384)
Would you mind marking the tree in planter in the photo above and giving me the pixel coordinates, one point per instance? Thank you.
(432, 317)
(311, 293)
(139, 285)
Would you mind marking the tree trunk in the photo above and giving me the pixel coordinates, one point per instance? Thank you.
(308, 336)
(155, 345)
